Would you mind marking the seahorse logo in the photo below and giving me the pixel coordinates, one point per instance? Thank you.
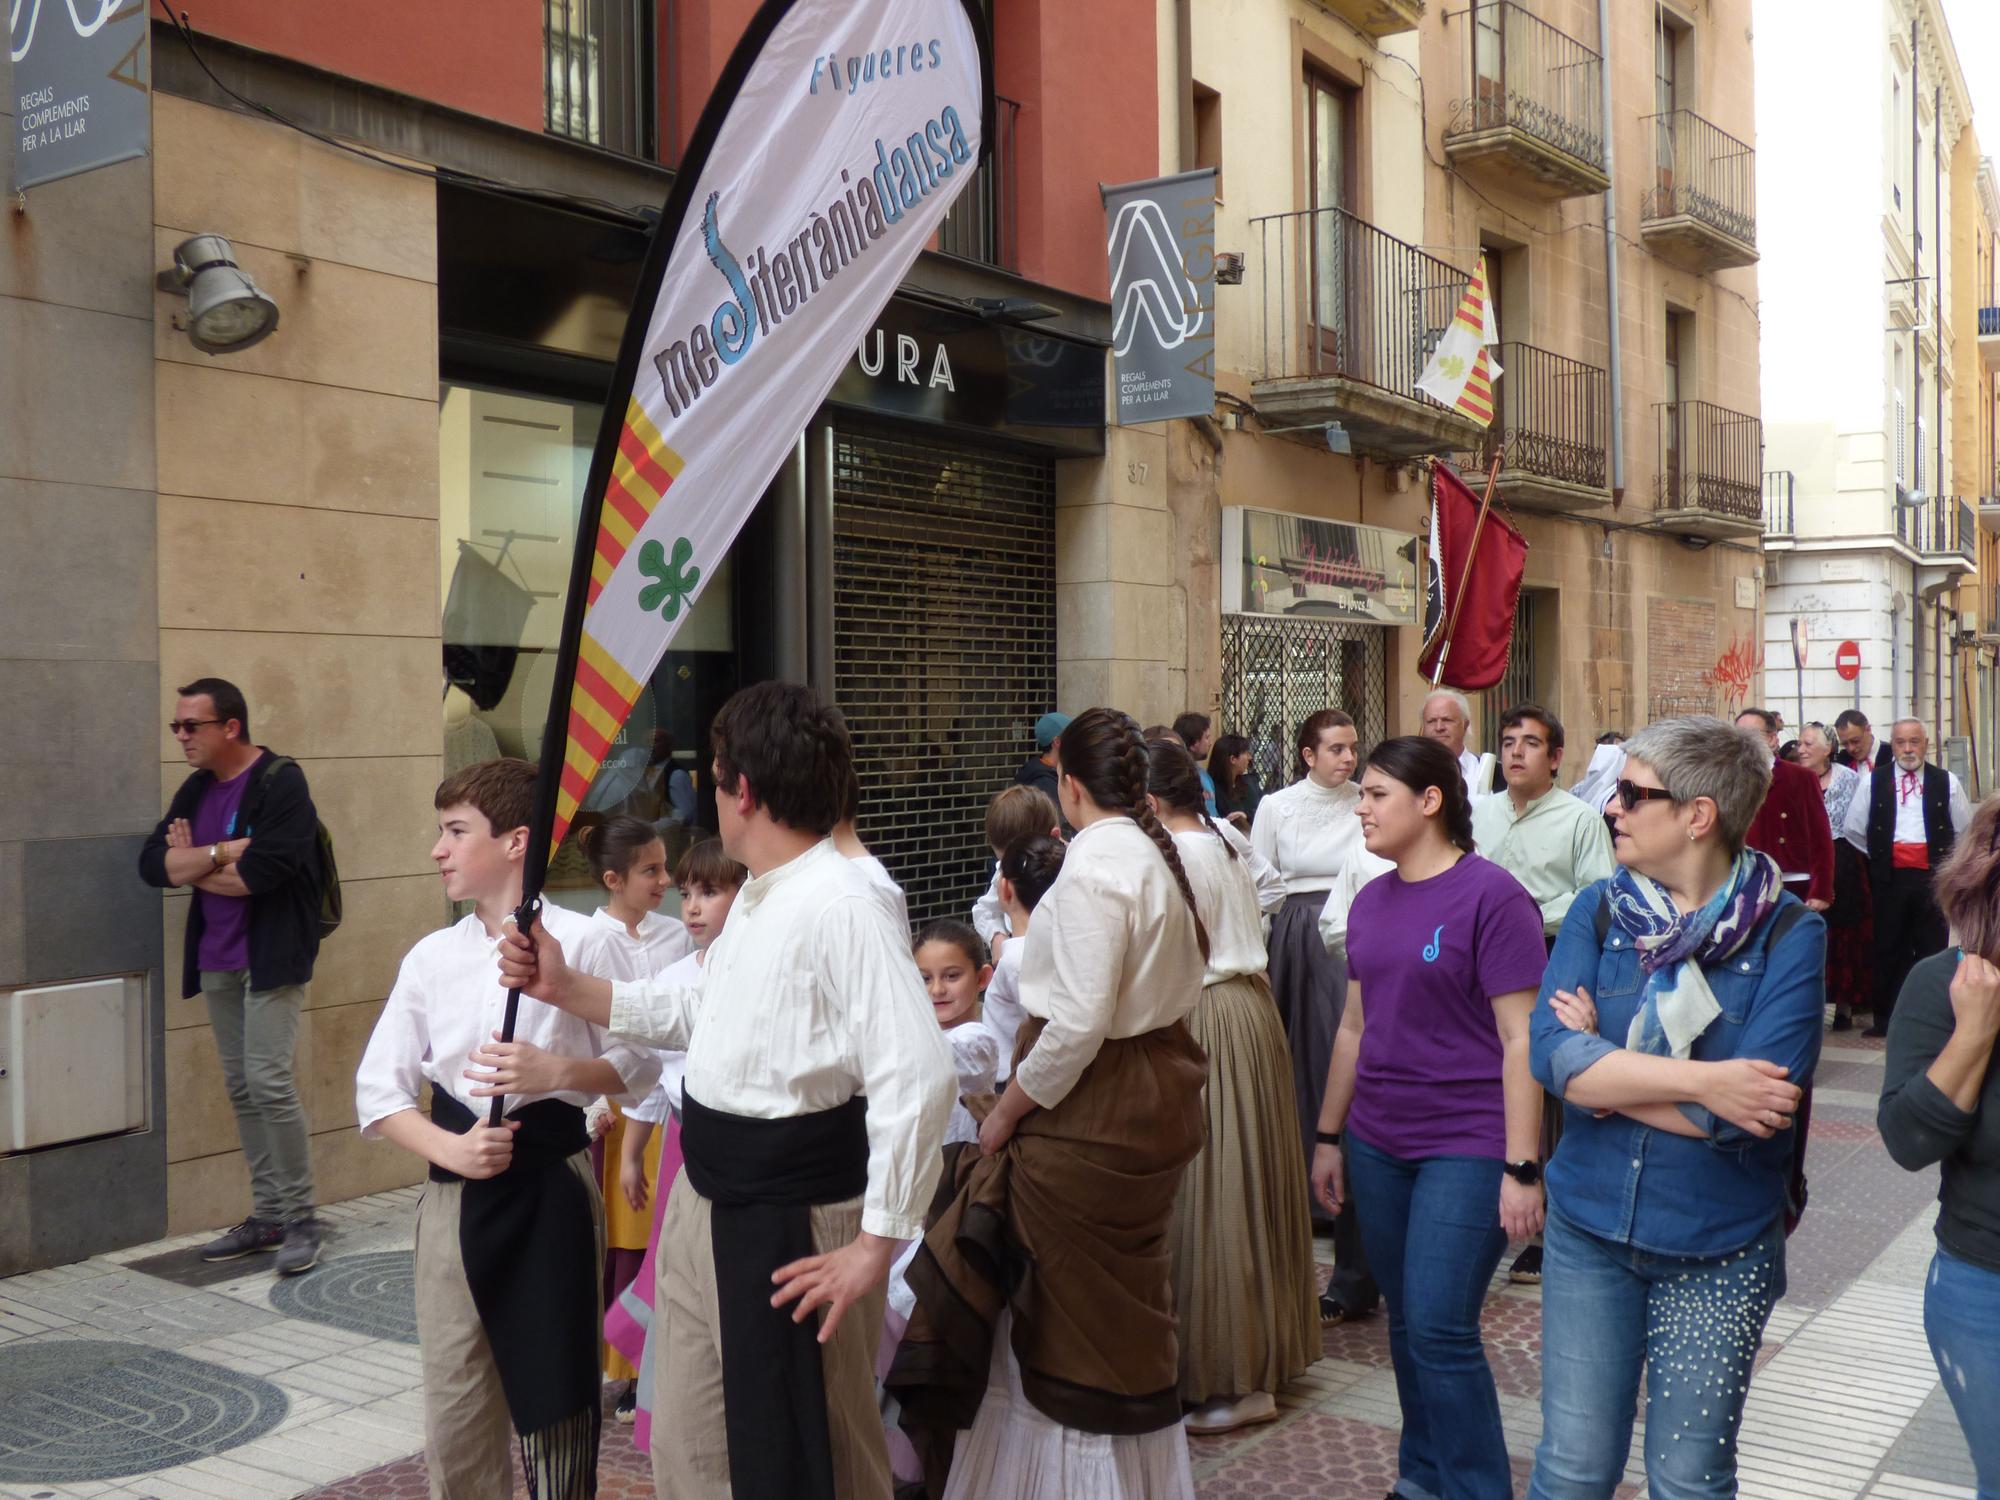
(1433, 948)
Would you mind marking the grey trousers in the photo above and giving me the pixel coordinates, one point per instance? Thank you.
(468, 1436)
(255, 1032)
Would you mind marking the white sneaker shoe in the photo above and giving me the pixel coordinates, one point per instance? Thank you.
(1226, 1415)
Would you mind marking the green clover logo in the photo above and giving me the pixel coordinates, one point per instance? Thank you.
(676, 578)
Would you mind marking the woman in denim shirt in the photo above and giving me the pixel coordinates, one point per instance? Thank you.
(1678, 1040)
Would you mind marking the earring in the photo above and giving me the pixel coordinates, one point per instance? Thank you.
(1690, 835)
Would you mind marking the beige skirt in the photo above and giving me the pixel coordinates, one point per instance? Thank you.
(1241, 1240)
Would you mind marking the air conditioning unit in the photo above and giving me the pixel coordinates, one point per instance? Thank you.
(72, 1061)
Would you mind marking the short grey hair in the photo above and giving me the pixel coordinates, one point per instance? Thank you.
(1922, 728)
(1458, 701)
(1702, 756)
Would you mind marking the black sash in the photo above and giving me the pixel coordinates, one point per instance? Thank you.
(762, 1178)
(530, 1251)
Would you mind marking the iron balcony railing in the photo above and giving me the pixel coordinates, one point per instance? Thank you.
(1942, 526)
(1989, 322)
(598, 73)
(1778, 518)
(1550, 417)
(980, 224)
(1528, 75)
(1702, 172)
(1340, 297)
(1710, 459)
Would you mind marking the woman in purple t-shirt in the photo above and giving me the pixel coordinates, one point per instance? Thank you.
(1432, 1117)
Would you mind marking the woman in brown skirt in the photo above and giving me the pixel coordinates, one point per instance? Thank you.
(1242, 1243)
(1045, 1309)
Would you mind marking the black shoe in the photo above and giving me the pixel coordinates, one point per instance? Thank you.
(1332, 1311)
(1527, 1267)
(627, 1409)
(301, 1247)
(1876, 1030)
(248, 1238)
(1843, 1019)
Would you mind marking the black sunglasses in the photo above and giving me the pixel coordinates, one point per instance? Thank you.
(175, 726)
(1631, 794)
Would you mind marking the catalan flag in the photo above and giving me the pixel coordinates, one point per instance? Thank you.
(1461, 373)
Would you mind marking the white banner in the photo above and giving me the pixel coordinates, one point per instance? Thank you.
(835, 142)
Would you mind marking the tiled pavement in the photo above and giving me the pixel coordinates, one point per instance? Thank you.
(1846, 1404)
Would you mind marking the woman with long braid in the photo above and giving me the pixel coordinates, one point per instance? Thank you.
(1045, 1312)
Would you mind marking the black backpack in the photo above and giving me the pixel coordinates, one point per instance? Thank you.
(1795, 1185)
(329, 869)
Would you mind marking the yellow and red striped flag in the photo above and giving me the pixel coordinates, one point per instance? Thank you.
(1461, 373)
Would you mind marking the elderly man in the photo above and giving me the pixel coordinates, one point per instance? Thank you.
(1447, 717)
(1791, 826)
(1913, 814)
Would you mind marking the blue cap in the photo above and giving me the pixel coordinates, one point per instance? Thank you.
(1048, 728)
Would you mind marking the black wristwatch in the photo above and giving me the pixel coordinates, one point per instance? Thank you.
(1327, 1137)
(1527, 1173)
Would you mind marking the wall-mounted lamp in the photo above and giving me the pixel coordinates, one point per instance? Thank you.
(227, 311)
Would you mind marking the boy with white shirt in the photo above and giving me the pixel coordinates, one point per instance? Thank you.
(817, 1090)
(510, 1233)
(1015, 813)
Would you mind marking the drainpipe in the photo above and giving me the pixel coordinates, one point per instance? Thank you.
(1916, 376)
(1617, 413)
(1937, 344)
(1184, 80)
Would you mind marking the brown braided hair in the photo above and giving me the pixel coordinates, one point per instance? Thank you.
(1102, 752)
(1174, 782)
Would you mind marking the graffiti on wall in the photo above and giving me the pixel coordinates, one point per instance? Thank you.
(1732, 673)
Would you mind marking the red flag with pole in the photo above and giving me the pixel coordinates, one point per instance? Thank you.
(1473, 582)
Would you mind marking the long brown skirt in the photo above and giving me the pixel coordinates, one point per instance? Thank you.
(1067, 1228)
(1242, 1242)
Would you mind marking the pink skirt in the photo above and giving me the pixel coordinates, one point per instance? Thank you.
(628, 1322)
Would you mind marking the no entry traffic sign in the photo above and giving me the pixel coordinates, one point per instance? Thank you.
(1847, 661)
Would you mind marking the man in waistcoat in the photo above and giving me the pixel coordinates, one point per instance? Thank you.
(1908, 822)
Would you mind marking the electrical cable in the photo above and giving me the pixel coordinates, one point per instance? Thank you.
(644, 217)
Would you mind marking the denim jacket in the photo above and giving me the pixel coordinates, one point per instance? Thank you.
(1651, 1189)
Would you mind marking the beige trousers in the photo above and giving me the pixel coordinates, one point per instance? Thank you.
(467, 1434)
(690, 1443)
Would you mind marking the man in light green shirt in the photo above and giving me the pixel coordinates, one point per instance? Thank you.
(1541, 835)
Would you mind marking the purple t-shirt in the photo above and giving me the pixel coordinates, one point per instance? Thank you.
(1431, 956)
(225, 920)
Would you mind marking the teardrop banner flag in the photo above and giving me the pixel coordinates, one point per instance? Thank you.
(825, 159)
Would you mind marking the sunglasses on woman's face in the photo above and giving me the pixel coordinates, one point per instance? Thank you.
(1631, 794)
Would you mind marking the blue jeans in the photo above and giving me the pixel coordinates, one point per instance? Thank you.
(1961, 1311)
(1693, 1322)
(1432, 1233)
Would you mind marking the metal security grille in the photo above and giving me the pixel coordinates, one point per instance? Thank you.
(1520, 682)
(944, 646)
(1278, 673)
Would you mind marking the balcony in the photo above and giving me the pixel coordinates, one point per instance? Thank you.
(1989, 336)
(1377, 18)
(980, 223)
(1779, 519)
(1942, 532)
(1348, 318)
(1989, 619)
(1548, 431)
(1989, 504)
(1701, 210)
(1534, 119)
(1710, 480)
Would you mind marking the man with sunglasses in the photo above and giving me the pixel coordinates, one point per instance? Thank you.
(243, 834)
(1908, 822)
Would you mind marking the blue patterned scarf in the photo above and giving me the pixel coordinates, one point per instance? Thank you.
(1673, 945)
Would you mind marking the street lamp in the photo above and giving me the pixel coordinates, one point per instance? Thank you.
(227, 311)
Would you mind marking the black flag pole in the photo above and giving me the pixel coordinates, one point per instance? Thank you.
(631, 350)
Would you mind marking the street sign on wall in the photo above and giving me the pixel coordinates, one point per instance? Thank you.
(82, 71)
(1274, 563)
(1847, 661)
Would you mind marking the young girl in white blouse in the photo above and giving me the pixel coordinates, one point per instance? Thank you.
(630, 938)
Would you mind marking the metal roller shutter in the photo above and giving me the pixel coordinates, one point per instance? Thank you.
(1277, 673)
(944, 648)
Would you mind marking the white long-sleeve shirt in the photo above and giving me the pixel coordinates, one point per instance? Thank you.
(1307, 831)
(1906, 792)
(989, 918)
(1111, 954)
(1001, 1013)
(810, 997)
(1263, 874)
(1361, 867)
(975, 1059)
(610, 951)
(1226, 895)
(448, 999)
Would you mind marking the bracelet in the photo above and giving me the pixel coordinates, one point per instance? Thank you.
(1327, 1137)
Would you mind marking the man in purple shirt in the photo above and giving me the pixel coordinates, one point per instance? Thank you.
(242, 832)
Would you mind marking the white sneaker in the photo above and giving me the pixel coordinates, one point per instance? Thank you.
(1227, 1416)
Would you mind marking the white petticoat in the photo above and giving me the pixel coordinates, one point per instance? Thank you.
(1013, 1452)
